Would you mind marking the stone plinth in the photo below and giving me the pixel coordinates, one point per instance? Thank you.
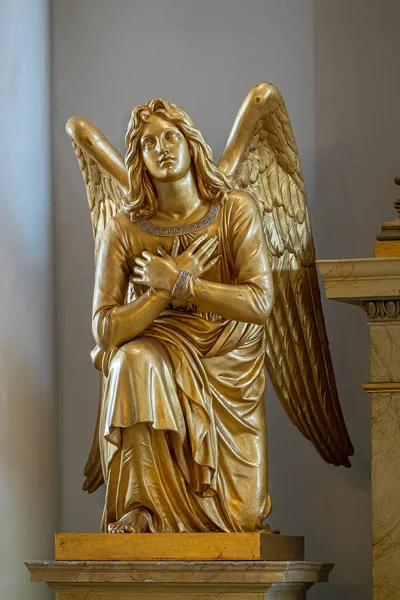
(178, 546)
(181, 580)
(374, 284)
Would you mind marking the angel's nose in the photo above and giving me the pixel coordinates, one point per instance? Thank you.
(163, 147)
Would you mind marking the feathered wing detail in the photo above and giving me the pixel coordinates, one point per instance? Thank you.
(261, 157)
(106, 183)
(103, 171)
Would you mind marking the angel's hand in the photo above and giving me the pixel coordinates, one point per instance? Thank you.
(196, 258)
(158, 272)
(161, 272)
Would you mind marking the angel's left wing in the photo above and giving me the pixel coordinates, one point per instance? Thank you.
(261, 157)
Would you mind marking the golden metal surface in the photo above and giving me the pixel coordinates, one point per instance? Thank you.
(384, 387)
(390, 231)
(389, 248)
(180, 439)
(179, 546)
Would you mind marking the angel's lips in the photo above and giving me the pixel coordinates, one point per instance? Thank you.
(166, 162)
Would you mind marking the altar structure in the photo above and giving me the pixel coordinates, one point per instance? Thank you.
(198, 566)
(374, 285)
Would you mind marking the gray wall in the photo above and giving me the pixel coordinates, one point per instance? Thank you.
(28, 427)
(333, 64)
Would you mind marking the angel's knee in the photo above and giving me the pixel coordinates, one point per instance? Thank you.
(137, 354)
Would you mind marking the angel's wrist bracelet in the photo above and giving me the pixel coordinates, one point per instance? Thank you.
(180, 284)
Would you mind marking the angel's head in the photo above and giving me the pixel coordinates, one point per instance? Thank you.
(162, 143)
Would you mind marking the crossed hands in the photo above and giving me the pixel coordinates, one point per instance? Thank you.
(161, 271)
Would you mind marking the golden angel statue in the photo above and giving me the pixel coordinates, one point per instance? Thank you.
(204, 274)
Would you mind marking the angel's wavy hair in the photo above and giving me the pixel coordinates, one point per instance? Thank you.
(141, 200)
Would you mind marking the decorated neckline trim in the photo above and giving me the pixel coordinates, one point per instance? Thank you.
(209, 218)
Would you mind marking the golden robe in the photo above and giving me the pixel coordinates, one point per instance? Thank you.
(182, 425)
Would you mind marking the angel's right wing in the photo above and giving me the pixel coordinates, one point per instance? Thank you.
(103, 171)
(106, 182)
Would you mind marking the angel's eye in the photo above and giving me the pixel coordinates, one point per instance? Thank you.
(172, 136)
(148, 144)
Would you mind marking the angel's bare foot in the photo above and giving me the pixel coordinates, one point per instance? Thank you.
(132, 522)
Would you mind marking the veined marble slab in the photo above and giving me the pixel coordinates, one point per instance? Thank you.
(355, 280)
(179, 580)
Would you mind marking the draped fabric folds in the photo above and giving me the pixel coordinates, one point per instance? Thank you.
(182, 430)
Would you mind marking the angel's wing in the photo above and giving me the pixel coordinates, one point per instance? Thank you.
(103, 171)
(106, 182)
(261, 157)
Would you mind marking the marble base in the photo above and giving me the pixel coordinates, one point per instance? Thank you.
(179, 580)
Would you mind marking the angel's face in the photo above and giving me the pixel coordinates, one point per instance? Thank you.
(165, 150)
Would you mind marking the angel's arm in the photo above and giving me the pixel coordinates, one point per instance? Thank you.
(116, 323)
(251, 299)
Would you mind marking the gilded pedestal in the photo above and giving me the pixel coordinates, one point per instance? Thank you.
(374, 284)
(178, 547)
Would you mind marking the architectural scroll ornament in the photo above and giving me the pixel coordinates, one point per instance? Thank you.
(382, 309)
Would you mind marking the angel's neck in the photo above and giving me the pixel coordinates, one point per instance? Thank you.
(177, 200)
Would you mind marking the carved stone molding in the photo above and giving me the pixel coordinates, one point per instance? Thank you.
(356, 280)
(382, 309)
(187, 580)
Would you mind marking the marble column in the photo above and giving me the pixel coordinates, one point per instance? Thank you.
(28, 428)
(374, 285)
